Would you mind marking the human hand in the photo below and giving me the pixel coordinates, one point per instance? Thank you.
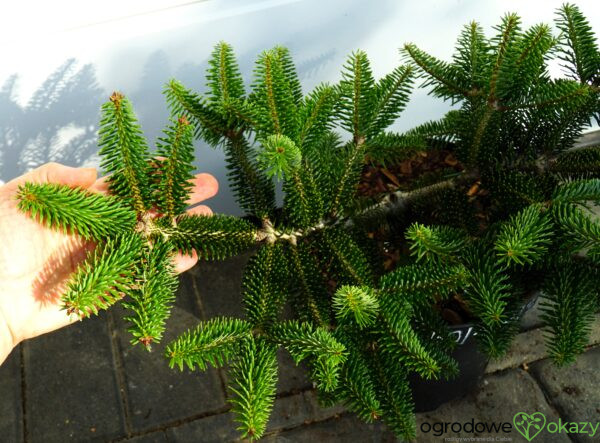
(36, 262)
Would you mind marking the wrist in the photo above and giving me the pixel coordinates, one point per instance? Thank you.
(7, 342)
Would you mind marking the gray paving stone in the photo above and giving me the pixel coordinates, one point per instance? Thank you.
(154, 437)
(531, 318)
(213, 429)
(574, 390)
(292, 378)
(530, 346)
(187, 295)
(11, 417)
(158, 395)
(345, 428)
(289, 411)
(220, 285)
(318, 412)
(72, 392)
(497, 400)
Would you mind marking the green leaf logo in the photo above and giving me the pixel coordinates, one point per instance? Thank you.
(529, 425)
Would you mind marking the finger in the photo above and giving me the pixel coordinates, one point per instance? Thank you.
(101, 185)
(185, 262)
(57, 173)
(199, 210)
(205, 186)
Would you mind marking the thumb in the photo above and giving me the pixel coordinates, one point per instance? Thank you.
(60, 174)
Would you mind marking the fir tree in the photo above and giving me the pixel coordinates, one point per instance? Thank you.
(364, 334)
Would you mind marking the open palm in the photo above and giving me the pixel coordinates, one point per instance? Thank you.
(35, 262)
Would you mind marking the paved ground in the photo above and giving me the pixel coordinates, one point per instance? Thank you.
(86, 383)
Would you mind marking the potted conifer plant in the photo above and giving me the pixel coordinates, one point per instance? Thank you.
(509, 217)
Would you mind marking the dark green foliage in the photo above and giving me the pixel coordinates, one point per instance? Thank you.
(223, 77)
(399, 340)
(264, 285)
(359, 391)
(92, 216)
(434, 242)
(124, 153)
(510, 108)
(324, 352)
(578, 191)
(316, 115)
(254, 191)
(525, 237)
(274, 95)
(568, 309)
(208, 123)
(310, 296)
(505, 215)
(488, 286)
(396, 399)
(254, 374)
(578, 46)
(580, 225)
(425, 280)
(150, 303)
(303, 340)
(135, 229)
(356, 303)
(577, 162)
(345, 258)
(511, 131)
(212, 237)
(175, 170)
(213, 342)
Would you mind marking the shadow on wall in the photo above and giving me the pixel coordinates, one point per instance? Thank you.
(59, 123)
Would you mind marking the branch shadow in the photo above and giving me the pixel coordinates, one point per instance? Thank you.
(52, 280)
(57, 124)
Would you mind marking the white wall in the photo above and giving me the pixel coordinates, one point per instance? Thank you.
(61, 59)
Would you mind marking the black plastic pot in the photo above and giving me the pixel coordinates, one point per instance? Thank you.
(430, 394)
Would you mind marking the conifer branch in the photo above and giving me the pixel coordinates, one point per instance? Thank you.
(424, 280)
(348, 178)
(313, 299)
(446, 76)
(525, 237)
(361, 396)
(356, 303)
(93, 216)
(175, 170)
(254, 375)
(255, 192)
(212, 342)
(104, 278)
(568, 308)
(208, 123)
(124, 152)
(508, 29)
(213, 237)
(152, 298)
(264, 283)
(400, 342)
(303, 341)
